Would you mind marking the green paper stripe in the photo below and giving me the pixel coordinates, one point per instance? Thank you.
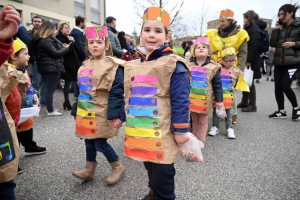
(198, 91)
(227, 91)
(142, 122)
(86, 105)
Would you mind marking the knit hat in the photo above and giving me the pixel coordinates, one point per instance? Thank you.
(18, 45)
(156, 13)
(96, 32)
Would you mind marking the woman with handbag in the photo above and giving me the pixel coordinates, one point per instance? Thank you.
(286, 40)
(71, 62)
(50, 52)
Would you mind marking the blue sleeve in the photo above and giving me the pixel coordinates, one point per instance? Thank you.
(80, 42)
(116, 96)
(217, 87)
(23, 35)
(179, 93)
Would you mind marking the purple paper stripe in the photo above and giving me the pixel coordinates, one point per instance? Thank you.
(85, 79)
(143, 90)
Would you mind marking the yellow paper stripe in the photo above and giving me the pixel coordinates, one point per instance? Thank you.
(226, 96)
(84, 113)
(141, 132)
(197, 96)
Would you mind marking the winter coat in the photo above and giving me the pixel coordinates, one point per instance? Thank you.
(71, 62)
(80, 42)
(49, 52)
(253, 57)
(115, 43)
(286, 56)
(6, 49)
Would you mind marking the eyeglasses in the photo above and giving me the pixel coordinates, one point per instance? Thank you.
(230, 61)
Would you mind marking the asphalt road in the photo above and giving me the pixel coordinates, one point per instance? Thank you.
(263, 162)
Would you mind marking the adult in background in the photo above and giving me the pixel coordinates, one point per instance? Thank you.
(253, 26)
(71, 62)
(286, 41)
(229, 34)
(50, 52)
(36, 76)
(78, 34)
(122, 40)
(112, 34)
(171, 41)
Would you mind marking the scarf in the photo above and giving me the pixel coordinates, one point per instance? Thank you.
(228, 31)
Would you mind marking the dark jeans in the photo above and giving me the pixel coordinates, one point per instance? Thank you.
(101, 145)
(67, 89)
(38, 84)
(76, 89)
(250, 97)
(26, 138)
(161, 180)
(228, 119)
(51, 81)
(7, 190)
(283, 78)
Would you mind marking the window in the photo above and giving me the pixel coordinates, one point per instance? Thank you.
(79, 8)
(95, 11)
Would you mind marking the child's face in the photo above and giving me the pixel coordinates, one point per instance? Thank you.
(153, 35)
(229, 61)
(201, 51)
(97, 48)
(22, 59)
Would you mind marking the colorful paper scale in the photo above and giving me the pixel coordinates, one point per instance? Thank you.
(227, 88)
(199, 90)
(143, 135)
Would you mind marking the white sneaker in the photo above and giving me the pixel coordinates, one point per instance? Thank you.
(201, 143)
(213, 131)
(230, 133)
(55, 109)
(54, 113)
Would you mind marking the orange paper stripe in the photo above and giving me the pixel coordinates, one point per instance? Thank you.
(86, 122)
(226, 104)
(87, 131)
(144, 143)
(182, 125)
(144, 154)
(197, 108)
(199, 102)
(26, 125)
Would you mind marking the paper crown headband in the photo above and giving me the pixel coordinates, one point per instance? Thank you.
(96, 32)
(201, 40)
(158, 14)
(18, 45)
(226, 14)
(228, 52)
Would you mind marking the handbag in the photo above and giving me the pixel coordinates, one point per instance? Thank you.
(248, 76)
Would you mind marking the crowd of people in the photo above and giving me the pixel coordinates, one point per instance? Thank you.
(115, 81)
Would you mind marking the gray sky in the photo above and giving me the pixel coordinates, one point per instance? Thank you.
(122, 10)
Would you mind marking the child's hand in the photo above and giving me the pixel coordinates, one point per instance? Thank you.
(241, 73)
(36, 99)
(9, 22)
(116, 123)
(181, 138)
(219, 105)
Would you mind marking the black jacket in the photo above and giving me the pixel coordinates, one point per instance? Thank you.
(286, 56)
(253, 56)
(49, 52)
(71, 62)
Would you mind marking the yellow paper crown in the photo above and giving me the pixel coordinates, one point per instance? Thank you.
(229, 51)
(227, 14)
(18, 45)
(158, 14)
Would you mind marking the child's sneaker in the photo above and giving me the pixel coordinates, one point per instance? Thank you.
(213, 131)
(278, 115)
(230, 133)
(20, 171)
(296, 114)
(35, 151)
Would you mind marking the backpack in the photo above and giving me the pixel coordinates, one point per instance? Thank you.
(264, 41)
(269, 60)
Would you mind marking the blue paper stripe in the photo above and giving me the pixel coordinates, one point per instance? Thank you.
(197, 78)
(86, 88)
(226, 81)
(139, 101)
(225, 77)
(226, 86)
(143, 112)
(85, 97)
(196, 73)
(199, 84)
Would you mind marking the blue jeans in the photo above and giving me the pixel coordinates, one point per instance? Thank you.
(76, 89)
(67, 90)
(51, 81)
(38, 84)
(101, 145)
(7, 190)
(161, 180)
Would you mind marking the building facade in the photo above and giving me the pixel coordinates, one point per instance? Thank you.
(57, 10)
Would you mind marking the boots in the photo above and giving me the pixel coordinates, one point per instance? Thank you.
(87, 173)
(150, 196)
(117, 170)
(67, 105)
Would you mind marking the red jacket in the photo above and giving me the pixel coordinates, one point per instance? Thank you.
(6, 50)
(13, 104)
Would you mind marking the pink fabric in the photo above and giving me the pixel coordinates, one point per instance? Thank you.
(200, 125)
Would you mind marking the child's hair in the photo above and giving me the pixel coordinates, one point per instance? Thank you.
(193, 57)
(165, 28)
(45, 30)
(109, 52)
(16, 54)
(288, 8)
